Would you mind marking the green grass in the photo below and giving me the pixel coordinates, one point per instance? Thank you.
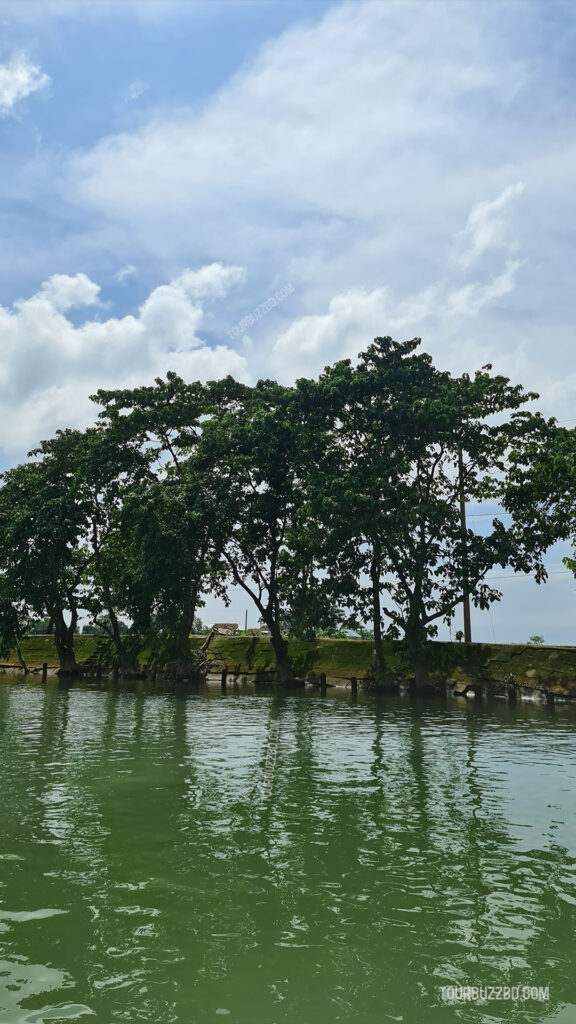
(39, 649)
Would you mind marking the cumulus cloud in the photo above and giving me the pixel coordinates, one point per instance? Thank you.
(63, 292)
(18, 79)
(211, 281)
(349, 157)
(49, 366)
(352, 319)
(374, 145)
(356, 316)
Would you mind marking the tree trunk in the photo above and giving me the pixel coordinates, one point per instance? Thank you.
(185, 665)
(421, 675)
(125, 662)
(379, 662)
(23, 664)
(284, 670)
(415, 645)
(64, 642)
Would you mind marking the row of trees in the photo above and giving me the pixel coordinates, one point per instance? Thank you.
(343, 491)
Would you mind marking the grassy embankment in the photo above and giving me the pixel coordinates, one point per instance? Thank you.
(552, 669)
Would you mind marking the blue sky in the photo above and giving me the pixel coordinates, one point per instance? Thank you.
(407, 167)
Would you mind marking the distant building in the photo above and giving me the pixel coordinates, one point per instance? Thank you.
(224, 628)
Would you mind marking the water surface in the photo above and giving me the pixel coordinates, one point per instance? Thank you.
(268, 857)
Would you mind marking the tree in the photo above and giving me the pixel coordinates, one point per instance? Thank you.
(405, 441)
(41, 525)
(103, 626)
(14, 622)
(198, 626)
(260, 448)
(40, 627)
(170, 530)
(540, 491)
(104, 472)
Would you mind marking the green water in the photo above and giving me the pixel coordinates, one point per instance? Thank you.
(282, 858)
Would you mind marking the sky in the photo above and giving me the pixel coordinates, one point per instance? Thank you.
(383, 167)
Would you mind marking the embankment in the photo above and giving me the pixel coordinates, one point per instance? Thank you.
(511, 670)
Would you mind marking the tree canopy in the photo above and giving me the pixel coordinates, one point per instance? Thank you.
(332, 503)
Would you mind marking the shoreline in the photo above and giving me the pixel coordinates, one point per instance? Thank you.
(521, 672)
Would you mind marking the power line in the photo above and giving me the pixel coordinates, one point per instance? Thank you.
(477, 515)
(528, 575)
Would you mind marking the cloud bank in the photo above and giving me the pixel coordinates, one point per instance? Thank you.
(50, 365)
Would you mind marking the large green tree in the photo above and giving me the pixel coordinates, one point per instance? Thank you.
(170, 530)
(42, 522)
(540, 490)
(261, 448)
(406, 441)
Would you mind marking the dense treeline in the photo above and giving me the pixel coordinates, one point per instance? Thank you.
(338, 493)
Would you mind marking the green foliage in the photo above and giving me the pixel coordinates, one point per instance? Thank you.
(41, 627)
(405, 441)
(260, 449)
(198, 627)
(331, 504)
(536, 639)
(104, 625)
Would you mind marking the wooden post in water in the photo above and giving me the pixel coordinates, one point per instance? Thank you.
(354, 684)
(99, 671)
(223, 679)
(323, 682)
(44, 671)
(116, 673)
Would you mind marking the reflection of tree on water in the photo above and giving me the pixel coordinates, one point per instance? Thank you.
(379, 863)
(487, 931)
(38, 959)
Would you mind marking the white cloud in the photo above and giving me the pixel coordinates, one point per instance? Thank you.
(350, 154)
(323, 118)
(211, 281)
(352, 320)
(63, 292)
(18, 79)
(469, 300)
(355, 317)
(346, 158)
(485, 229)
(124, 273)
(136, 89)
(49, 366)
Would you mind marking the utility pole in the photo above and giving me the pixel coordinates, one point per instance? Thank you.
(245, 622)
(465, 594)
